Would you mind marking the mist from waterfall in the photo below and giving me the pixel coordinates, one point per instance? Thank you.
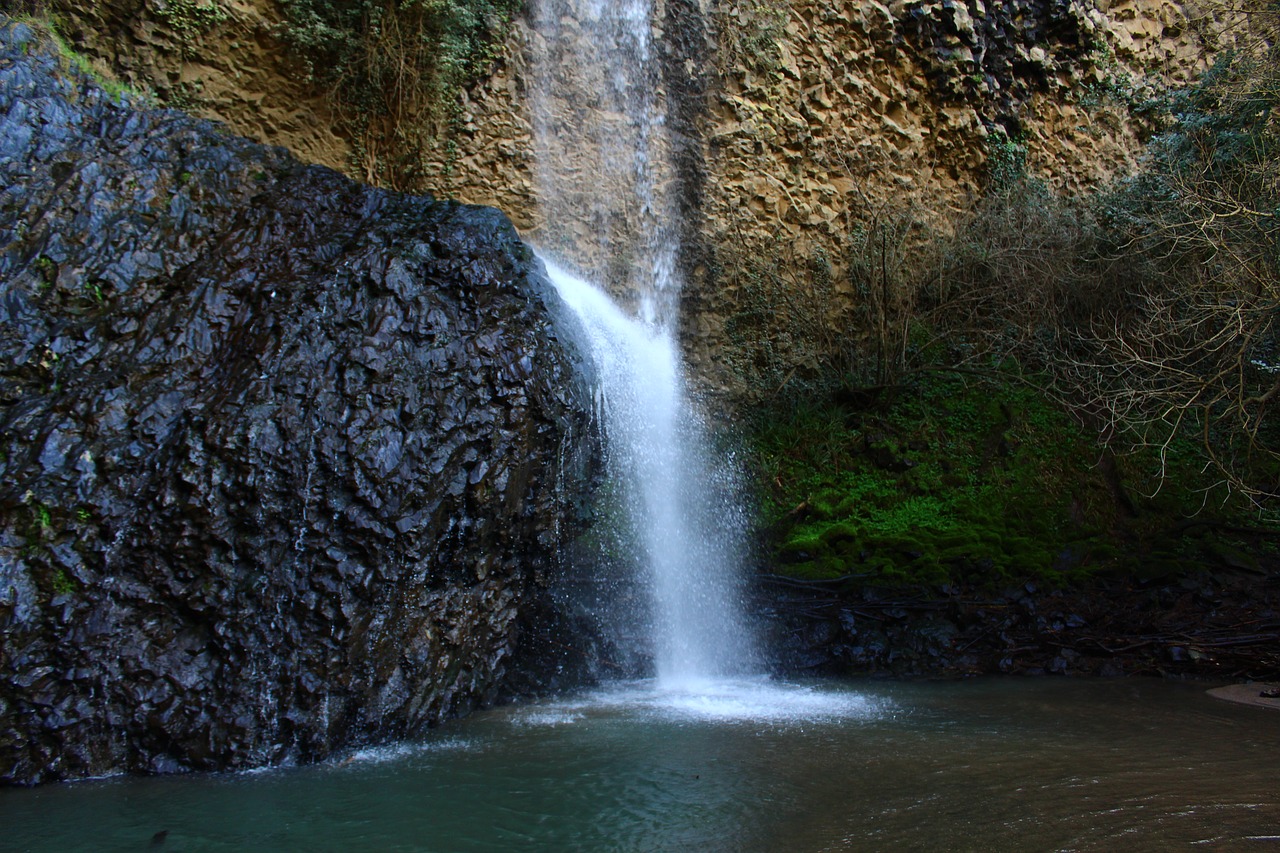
(681, 522)
(607, 192)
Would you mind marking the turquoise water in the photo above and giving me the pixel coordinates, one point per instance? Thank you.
(744, 766)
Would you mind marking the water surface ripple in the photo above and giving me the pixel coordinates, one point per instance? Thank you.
(745, 765)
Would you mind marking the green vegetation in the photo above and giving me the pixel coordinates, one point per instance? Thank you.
(1045, 387)
(752, 32)
(1006, 159)
(1192, 245)
(46, 273)
(46, 25)
(46, 269)
(44, 528)
(951, 477)
(62, 583)
(41, 518)
(187, 97)
(395, 69)
(190, 19)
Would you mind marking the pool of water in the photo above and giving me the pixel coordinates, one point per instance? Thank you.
(743, 766)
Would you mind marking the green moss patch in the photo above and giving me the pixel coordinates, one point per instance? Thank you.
(952, 478)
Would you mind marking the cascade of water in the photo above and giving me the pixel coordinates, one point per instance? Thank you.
(607, 191)
(686, 533)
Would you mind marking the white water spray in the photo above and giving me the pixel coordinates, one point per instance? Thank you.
(684, 529)
(607, 193)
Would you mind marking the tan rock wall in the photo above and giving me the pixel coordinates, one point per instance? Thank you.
(492, 162)
(818, 115)
(236, 71)
(845, 121)
(852, 126)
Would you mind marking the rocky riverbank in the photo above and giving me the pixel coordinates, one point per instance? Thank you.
(1222, 624)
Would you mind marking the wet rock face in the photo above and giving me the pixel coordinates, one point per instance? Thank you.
(1218, 622)
(996, 55)
(283, 458)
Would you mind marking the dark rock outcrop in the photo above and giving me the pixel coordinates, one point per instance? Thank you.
(284, 459)
(1222, 622)
(994, 56)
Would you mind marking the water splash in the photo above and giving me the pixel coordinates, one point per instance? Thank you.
(684, 531)
(730, 700)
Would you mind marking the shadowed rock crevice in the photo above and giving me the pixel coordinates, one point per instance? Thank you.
(284, 460)
(995, 56)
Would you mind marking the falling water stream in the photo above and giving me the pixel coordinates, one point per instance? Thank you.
(684, 540)
(607, 189)
(607, 193)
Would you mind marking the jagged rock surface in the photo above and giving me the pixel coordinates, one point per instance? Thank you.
(283, 458)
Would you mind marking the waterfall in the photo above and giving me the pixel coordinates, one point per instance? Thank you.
(607, 192)
(685, 532)
(606, 187)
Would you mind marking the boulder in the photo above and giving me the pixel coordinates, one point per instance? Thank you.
(284, 459)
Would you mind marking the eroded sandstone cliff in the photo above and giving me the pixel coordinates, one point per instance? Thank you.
(794, 124)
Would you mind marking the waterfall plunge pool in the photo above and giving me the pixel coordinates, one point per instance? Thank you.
(984, 764)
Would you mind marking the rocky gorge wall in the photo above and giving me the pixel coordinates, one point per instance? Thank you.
(227, 62)
(284, 459)
(799, 128)
(868, 116)
(794, 124)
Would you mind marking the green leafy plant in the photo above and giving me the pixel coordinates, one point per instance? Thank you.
(395, 68)
(190, 19)
(46, 269)
(41, 518)
(1006, 159)
(62, 583)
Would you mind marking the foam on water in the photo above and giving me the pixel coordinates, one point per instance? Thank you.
(766, 701)
(684, 533)
(553, 716)
(736, 700)
(401, 750)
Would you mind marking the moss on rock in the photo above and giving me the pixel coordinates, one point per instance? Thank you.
(955, 478)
